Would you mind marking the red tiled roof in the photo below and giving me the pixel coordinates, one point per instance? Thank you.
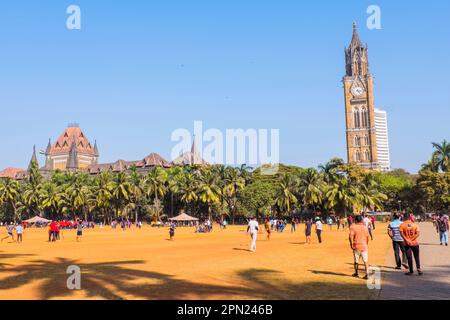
(10, 173)
(155, 159)
(64, 142)
(151, 160)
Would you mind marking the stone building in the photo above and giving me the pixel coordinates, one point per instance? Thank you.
(72, 151)
(359, 106)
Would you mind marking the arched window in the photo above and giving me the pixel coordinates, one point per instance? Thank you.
(356, 118)
(366, 140)
(367, 155)
(358, 156)
(357, 141)
(364, 116)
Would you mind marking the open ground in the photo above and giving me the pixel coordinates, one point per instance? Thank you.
(144, 264)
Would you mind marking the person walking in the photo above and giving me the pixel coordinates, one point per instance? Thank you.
(330, 222)
(372, 219)
(319, 228)
(343, 223)
(397, 242)
(359, 243)
(410, 233)
(79, 230)
(350, 221)
(19, 232)
(308, 228)
(268, 228)
(253, 229)
(293, 225)
(443, 228)
(368, 225)
(172, 228)
(9, 229)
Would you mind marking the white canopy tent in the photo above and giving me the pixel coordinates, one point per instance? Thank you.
(38, 220)
(183, 217)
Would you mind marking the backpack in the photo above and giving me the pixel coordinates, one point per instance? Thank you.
(442, 225)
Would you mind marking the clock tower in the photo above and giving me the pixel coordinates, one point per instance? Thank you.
(359, 106)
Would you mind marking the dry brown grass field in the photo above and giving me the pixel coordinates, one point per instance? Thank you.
(144, 264)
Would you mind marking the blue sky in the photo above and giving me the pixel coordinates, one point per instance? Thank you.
(140, 69)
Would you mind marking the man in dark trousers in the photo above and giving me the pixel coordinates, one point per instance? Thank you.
(397, 242)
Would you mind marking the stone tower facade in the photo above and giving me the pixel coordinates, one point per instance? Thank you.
(72, 151)
(359, 106)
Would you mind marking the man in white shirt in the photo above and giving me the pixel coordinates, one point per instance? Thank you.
(368, 225)
(19, 232)
(253, 228)
(319, 228)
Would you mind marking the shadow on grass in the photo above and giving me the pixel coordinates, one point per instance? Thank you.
(120, 279)
(10, 256)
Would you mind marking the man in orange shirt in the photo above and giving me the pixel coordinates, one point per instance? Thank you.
(410, 233)
(359, 240)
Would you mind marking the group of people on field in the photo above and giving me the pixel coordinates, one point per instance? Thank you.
(403, 231)
(12, 228)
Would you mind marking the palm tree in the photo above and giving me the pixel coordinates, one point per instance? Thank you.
(51, 199)
(156, 211)
(311, 188)
(32, 199)
(10, 194)
(285, 196)
(137, 191)
(186, 187)
(209, 191)
(441, 155)
(234, 182)
(245, 173)
(32, 191)
(174, 176)
(369, 194)
(156, 183)
(76, 195)
(342, 196)
(330, 170)
(102, 194)
(120, 192)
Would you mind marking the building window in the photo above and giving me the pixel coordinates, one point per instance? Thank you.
(365, 118)
(358, 156)
(357, 141)
(367, 155)
(356, 118)
(366, 140)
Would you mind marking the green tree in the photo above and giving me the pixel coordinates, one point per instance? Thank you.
(120, 193)
(10, 194)
(285, 195)
(441, 155)
(310, 189)
(257, 198)
(209, 191)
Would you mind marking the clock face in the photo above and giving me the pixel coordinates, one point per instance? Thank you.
(357, 91)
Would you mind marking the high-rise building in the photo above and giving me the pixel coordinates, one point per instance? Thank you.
(382, 134)
(359, 106)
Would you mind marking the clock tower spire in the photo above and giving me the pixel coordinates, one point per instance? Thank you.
(359, 105)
